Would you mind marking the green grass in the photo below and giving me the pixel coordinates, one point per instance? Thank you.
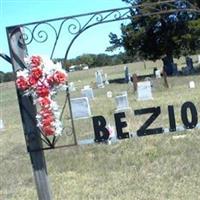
(153, 167)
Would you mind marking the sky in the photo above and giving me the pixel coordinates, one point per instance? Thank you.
(94, 40)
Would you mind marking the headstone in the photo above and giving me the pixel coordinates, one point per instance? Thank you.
(1, 125)
(157, 73)
(135, 81)
(122, 102)
(86, 86)
(109, 94)
(126, 74)
(80, 108)
(189, 62)
(168, 65)
(189, 66)
(99, 79)
(154, 71)
(72, 87)
(191, 84)
(144, 90)
(105, 79)
(87, 92)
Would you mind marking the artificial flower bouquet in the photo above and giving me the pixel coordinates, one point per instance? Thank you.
(42, 79)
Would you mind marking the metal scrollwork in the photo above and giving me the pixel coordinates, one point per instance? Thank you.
(40, 35)
(27, 36)
(77, 24)
(74, 28)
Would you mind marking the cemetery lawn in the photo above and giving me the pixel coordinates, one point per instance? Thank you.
(157, 167)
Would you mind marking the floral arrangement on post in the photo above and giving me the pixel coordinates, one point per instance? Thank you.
(42, 79)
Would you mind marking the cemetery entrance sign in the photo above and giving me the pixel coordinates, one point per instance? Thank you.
(101, 131)
(23, 37)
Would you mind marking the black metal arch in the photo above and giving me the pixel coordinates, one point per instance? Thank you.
(22, 35)
(75, 27)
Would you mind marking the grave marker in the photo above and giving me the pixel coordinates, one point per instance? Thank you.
(1, 125)
(72, 87)
(135, 81)
(105, 79)
(122, 102)
(191, 84)
(88, 92)
(99, 79)
(126, 74)
(144, 90)
(109, 94)
(157, 73)
(80, 108)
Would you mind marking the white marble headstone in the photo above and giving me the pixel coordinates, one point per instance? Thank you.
(1, 125)
(106, 79)
(80, 108)
(122, 102)
(157, 72)
(88, 92)
(109, 94)
(144, 90)
(99, 79)
(72, 87)
(86, 87)
(191, 84)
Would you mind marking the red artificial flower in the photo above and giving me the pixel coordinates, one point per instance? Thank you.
(22, 83)
(42, 91)
(47, 121)
(36, 61)
(46, 113)
(50, 80)
(59, 77)
(36, 72)
(44, 102)
(48, 130)
(31, 81)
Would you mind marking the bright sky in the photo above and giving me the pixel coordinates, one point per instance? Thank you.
(94, 40)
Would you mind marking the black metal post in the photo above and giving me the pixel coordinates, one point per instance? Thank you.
(28, 113)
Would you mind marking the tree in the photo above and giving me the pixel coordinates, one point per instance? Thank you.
(9, 76)
(155, 36)
(86, 59)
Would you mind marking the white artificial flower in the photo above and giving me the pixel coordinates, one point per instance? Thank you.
(54, 106)
(27, 60)
(57, 114)
(58, 66)
(38, 117)
(63, 87)
(23, 73)
(58, 132)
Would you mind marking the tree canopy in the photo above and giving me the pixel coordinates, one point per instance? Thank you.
(154, 36)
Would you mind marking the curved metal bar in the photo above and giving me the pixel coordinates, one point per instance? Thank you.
(123, 17)
(42, 34)
(76, 28)
(20, 43)
(87, 27)
(25, 37)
